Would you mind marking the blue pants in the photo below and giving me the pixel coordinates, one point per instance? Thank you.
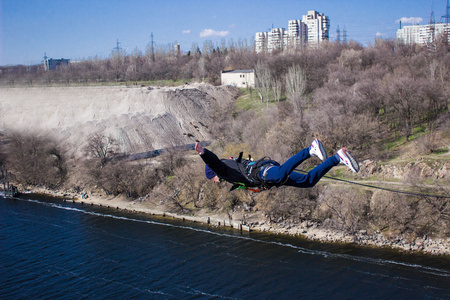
(279, 174)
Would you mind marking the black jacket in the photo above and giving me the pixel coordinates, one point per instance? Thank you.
(240, 172)
(227, 169)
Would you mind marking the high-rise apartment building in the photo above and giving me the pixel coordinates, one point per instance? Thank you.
(276, 39)
(261, 41)
(318, 27)
(297, 34)
(423, 34)
(310, 31)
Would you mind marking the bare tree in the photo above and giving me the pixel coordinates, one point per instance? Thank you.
(263, 81)
(35, 160)
(404, 102)
(296, 87)
(295, 82)
(346, 210)
(101, 148)
(276, 86)
(202, 67)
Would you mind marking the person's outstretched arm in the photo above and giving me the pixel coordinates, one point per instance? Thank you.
(211, 160)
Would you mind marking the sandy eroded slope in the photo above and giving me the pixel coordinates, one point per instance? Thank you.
(139, 118)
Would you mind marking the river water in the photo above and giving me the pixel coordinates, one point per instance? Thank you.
(50, 249)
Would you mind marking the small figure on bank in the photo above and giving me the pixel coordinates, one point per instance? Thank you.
(266, 173)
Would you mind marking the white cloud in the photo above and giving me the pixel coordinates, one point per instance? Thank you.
(232, 25)
(186, 31)
(378, 34)
(410, 20)
(211, 33)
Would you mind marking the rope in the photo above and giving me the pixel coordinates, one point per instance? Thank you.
(381, 188)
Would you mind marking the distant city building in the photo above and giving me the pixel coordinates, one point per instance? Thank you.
(310, 31)
(261, 41)
(238, 78)
(276, 39)
(318, 27)
(423, 34)
(52, 64)
(177, 49)
(297, 34)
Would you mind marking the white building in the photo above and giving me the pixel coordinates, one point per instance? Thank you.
(261, 41)
(423, 34)
(238, 78)
(318, 27)
(311, 30)
(276, 39)
(297, 34)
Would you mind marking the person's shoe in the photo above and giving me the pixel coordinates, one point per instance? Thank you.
(347, 159)
(318, 150)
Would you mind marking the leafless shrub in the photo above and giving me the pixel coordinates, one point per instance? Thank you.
(171, 160)
(209, 196)
(351, 59)
(35, 160)
(285, 139)
(187, 180)
(287, 204)
(387, 211)
(428, 144)
(336, 118)
(343, 208)
(410, 215)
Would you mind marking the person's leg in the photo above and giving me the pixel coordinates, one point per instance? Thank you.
(312, 177)
(278, 174)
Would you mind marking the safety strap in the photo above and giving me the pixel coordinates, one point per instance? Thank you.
(241, 186)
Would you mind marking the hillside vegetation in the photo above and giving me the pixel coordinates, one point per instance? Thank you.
(388, 103)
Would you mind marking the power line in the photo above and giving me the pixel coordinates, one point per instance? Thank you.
(382, 188)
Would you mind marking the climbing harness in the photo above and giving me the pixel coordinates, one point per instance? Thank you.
(251, 170)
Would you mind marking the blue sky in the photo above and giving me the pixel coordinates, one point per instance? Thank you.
(79, 29)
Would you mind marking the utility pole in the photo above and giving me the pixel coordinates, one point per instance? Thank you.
(338, 35)
(447, 12)
(445, 18)
(153, 49)
(345, 35)
(117, 48)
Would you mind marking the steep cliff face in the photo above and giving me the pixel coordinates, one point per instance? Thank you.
(139, 119)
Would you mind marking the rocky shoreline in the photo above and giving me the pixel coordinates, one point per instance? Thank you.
(306, 229)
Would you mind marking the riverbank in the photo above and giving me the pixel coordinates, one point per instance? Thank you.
(248, 222)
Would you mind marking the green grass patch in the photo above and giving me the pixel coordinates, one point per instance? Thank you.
(249, 100)
(393, 143)
(398, 139)
(441, 151)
